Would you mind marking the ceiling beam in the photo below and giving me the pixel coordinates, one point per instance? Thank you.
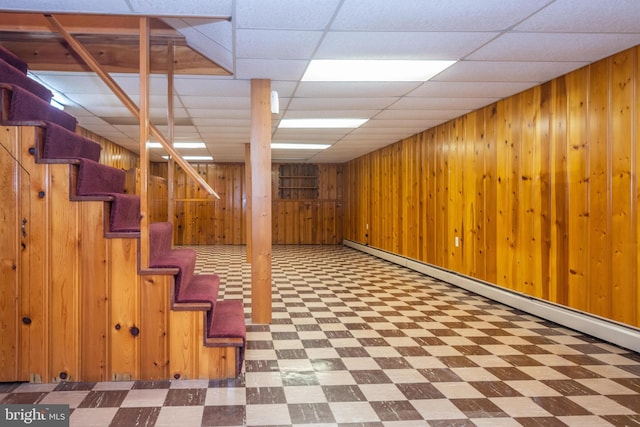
(112, 40)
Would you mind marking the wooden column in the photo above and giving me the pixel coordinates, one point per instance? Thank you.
(261, 201)
(171, 196)
(247, 180)
(144, 138)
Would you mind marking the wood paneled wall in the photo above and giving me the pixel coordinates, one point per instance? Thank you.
(540, 190)
(112, 154)
(203, 220)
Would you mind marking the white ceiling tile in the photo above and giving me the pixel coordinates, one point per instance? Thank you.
(199, 106)
(329, 114)
(207, 102)
(341, 103)
(274, 69)
(612, 16)
(469, 89)
(503, 71)
(542, 47)
(434, 15)
(285, 14)
(115, 6)
(433, 103)
(182, 7)
(401, 45)
(211, 86)
(73, 82)
(354, 89)
(276, 44)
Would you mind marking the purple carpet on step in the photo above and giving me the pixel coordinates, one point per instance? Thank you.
(184, 259)
(228, 322)
(97, 179)
(125, 213)
(25, 106)
(10, 74)
(10, 58)
(60, 143)
(160, 238)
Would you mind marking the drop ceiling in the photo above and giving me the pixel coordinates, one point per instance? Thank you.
(500, 48)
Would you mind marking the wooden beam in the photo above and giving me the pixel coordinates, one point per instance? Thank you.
(144, 139)
(261, 201)
(171, 203)
(247, 195)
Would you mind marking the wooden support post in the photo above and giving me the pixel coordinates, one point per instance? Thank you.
(144, 138)
(171, 196)
(261, 201)
(247, 180)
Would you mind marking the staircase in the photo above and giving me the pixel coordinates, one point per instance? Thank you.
(109, 320)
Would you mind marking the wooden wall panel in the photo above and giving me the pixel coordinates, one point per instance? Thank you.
(64, 359)
(112, 154)
(542, 189)
(207, 221)
(623, 187)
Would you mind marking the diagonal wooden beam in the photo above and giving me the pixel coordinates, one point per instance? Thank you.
(128, 103)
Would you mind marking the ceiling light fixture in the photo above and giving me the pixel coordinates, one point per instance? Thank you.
(297, 146)
(320, 123)
(373, 70)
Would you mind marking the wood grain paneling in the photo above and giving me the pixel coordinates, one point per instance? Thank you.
(81, 291)
(541, 188)
(207, 221)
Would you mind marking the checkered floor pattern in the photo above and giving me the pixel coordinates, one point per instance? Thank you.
(358, 341)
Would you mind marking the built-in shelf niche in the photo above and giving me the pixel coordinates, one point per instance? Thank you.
(298, 181)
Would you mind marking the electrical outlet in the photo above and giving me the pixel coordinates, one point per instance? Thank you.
(456, 241)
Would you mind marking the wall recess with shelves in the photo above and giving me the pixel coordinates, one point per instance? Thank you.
(298, 181)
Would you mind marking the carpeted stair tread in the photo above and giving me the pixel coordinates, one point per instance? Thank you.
(202, 288)
(228, 322)
(10, 74)
(184, 259)
(160, 238)
(10, 58)
(25, 106)
(60, 143)
(125, 213)
(97, 179)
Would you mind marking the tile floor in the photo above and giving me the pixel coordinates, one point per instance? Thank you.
(358, 341)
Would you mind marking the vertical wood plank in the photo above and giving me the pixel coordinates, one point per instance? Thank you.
(623, 207)
(154, 327)
(124, 351)
(490, 184)
(599, 194)
(578, 176)
(94, 285)
(12, 294)
(63, 297)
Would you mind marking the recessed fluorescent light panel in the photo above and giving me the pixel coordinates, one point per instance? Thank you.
(320, 123)
(178, 145)
(373, 70)
(296, 146)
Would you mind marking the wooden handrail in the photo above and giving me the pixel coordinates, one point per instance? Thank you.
(128, 102)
